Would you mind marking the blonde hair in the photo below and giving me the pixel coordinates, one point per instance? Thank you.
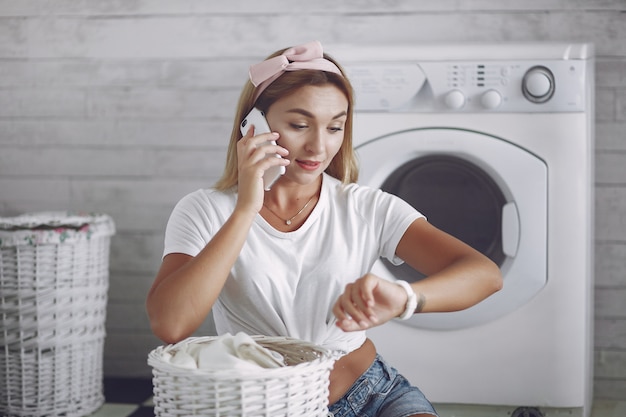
(343, 166)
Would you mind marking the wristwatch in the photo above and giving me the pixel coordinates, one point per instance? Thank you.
(413, 303)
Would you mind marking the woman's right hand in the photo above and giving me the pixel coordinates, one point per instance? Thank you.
(367, 302)
(252, 162)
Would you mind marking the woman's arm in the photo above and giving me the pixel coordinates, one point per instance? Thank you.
(186, 287)
(458, 277)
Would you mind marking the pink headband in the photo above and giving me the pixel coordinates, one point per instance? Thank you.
(307, 56)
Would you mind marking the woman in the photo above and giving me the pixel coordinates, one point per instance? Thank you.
(294, 260)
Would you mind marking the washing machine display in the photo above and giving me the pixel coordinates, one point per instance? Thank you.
(494, 144)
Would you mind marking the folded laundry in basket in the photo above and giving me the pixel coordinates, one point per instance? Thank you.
(239, 352)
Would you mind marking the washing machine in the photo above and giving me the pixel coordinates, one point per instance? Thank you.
(494, 144)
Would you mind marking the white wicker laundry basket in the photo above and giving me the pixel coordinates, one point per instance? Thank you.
(54, 276)
(300, 389)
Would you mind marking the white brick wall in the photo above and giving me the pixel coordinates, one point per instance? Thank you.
(124, 107)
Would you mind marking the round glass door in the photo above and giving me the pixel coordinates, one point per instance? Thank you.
(456, 196)
(482, 189)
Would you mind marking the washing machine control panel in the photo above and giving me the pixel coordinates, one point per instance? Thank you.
(470, 86)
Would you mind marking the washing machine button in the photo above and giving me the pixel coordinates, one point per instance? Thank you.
(491, 99)
(455, 99)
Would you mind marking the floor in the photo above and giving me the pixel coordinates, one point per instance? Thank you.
(133, 398)
(126, 398)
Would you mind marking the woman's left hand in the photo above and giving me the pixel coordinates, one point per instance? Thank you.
(369, 301)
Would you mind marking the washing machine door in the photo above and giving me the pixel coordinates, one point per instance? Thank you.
(482, 189)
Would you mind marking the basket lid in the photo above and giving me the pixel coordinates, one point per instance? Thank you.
(53, 227)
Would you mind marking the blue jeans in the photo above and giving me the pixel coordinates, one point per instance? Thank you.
(381, 392)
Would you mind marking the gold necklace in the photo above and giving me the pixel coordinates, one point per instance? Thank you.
(288, 221)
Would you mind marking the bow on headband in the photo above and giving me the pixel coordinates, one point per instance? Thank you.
(307, 56)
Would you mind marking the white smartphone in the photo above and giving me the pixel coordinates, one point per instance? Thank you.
(257, 118)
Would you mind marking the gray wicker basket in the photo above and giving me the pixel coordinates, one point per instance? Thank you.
(54, 276)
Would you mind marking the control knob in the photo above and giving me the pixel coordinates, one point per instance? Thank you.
(455, 99)
(538, 84)
(491, 99)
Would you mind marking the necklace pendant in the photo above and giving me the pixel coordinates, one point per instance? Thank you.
(288, 222)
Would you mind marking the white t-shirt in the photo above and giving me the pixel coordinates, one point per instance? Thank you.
(285, 284)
